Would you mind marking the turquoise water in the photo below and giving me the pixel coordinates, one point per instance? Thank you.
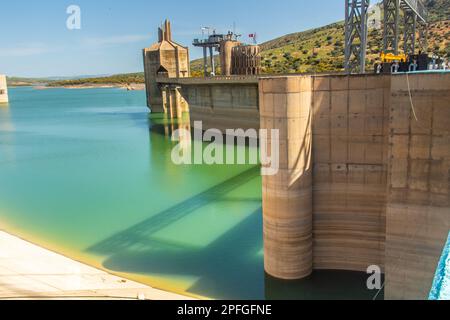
(88, 173)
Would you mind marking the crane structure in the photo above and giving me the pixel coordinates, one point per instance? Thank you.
(409, 16)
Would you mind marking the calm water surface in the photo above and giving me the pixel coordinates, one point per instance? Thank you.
(88, 173)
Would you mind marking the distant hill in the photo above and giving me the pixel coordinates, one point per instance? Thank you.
(19, 81)
(119, 79)
(316, 50)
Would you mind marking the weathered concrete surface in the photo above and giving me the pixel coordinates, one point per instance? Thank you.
(165, 58)
(30, 272)
(380, 178)
(231, 103)
(287, 197)
(3, 89)
(418, 208)
(361, 182)
(228, 102)
(350, 136)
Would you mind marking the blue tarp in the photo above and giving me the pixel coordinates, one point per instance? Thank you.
(441, 285)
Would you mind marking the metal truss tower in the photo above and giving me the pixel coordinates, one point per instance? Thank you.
(391, 30)
(414, 16)
(356, 18)
(409, 32)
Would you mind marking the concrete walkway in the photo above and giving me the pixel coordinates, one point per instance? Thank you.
(30, 272)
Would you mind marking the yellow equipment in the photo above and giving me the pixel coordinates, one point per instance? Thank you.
(390, 57)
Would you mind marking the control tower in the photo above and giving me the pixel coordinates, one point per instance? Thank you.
(166, 58)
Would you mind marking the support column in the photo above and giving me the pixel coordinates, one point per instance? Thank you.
(164, 90)
(177, 98)
(213, 63)
(170, 103)
(205, 61)
(286, 106)
(356, 18)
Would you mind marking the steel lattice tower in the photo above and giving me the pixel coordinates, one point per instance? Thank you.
(356, 18)
(391, 25)
(409, 32)
(414, 16)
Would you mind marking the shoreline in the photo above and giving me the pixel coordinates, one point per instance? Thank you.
(29, 271)
(130, 87)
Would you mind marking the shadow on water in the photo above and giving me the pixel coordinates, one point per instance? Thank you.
(230, 267)
(222, 267)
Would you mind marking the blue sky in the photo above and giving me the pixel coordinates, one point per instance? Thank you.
(35, 41)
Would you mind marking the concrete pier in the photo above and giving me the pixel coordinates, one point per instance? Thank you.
(3, 89)
(287, 197)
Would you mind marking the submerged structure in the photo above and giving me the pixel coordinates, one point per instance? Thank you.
(364, 168)
(3, 89)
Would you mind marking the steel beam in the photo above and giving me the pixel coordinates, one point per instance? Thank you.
(205, 61)
(409, 32)
(414, 12)
(423, 37)
(417, 7)
(356, 21)
(213, 64)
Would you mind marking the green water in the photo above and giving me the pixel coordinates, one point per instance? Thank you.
(89, 174)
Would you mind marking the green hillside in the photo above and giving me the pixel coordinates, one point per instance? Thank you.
(439, 10)
(322, 49)
(316, 50)
(119, 79)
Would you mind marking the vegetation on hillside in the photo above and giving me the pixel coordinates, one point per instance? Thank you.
(439, 10)
(19, 81)
(322, 49)
(120, 79)
(316, 50)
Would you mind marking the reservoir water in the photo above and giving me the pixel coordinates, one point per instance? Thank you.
(88, 173)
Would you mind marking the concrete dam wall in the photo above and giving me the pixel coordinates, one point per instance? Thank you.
(364, 169)
(221, 102)
(362, 181)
